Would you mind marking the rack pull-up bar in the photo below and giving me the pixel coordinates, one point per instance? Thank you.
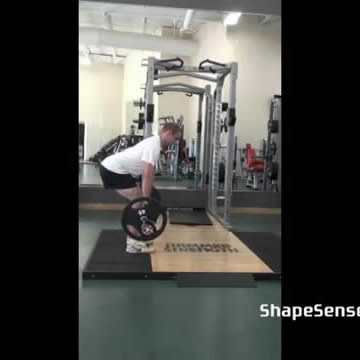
(172, 66)
(179, 87)
(187, 93)
(201, 67)
(171, 74)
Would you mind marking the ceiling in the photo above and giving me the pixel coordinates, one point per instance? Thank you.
(123, 15)
(140, 19)
(261, 7)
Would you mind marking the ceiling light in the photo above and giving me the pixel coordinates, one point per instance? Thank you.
(232, 18)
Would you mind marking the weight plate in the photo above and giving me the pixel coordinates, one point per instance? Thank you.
(144, 219)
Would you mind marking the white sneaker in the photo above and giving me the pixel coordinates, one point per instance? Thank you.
(132, 250)
(137, 243)
(138, 247)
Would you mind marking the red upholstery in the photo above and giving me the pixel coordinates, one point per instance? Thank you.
(253, 164)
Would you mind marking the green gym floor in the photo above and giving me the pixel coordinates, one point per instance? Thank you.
(155, 320)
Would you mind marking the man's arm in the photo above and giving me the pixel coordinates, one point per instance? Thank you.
(147, 179)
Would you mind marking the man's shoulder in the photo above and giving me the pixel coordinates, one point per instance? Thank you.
(154, 139)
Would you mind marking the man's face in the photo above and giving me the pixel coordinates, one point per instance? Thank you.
(171, 138)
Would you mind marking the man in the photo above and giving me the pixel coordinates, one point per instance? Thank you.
(119, 171)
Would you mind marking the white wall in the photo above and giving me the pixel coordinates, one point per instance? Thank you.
(106, 95)
(100, 103)
(257, 50)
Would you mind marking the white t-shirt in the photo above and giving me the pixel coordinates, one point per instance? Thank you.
(133, 159)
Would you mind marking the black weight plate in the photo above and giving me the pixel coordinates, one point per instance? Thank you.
(273, 171)
(145, 217)
(274, 126)
(273, 148)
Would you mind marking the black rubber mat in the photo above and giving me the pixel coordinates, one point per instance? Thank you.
(188, 217)
(110, 258)
(267, 246)
(215, 280)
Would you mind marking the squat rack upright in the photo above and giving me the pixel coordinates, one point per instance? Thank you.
(165, 68)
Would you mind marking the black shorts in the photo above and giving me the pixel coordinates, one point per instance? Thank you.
(113, 180)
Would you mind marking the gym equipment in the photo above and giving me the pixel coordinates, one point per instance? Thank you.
(215, 72)
(118, 144)
(273, 148)
(272, 169)
(109, 259)
(114, 145)
(221, 172)
(133, 140)
(143, 215)
(270, 255)
(224, 108)
(140, 121)
(235, 178)
(139, 103)
(189, 217)
(81, 141)
(255, 166)
(273, 126)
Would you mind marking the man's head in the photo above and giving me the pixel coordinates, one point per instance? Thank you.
(169, 134)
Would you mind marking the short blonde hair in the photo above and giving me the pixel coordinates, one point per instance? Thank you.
(172, 127)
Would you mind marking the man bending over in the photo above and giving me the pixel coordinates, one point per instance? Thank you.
(124, 170)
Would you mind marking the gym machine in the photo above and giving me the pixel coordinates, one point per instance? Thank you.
(214, 72)
(140, 121)
(272, 168)
(255, 167)
(118, 144)
(223, 147)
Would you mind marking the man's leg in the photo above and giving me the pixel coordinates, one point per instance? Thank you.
(131, 193)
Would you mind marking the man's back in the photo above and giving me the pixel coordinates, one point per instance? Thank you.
(133, 159)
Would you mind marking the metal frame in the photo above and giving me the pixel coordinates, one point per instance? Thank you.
(275, 114)
(216, 148)
(158, 69)
(188, 89)
(207, 132)
(230, 144)
(193, 90)
(149, 97)
(179, 87)
(278, 152)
